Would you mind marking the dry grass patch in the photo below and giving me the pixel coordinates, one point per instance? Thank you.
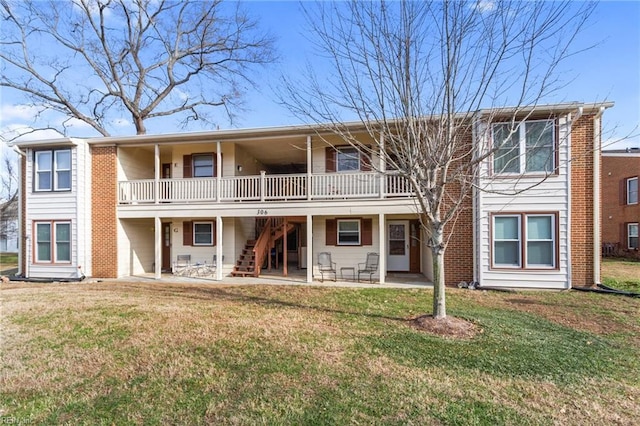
(138, 353)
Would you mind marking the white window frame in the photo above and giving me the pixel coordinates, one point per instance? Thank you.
(53, 171)
(521, 132)
(53, 241)
(210, 242)
(212, 168)
(353, 153)
(523, 242)
(546, 240)
(632, 195)
(631, 234)
(338, 231)
(494, 240)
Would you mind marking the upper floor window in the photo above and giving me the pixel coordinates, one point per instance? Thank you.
(347, 159)
(632, 236)
(203, 165)
(52, 171)
(632, 190)
(53, 242)
(527, 148)
(524, 241)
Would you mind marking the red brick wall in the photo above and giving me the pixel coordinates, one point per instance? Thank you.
(615, 211)
(104, 235)
(582, 204)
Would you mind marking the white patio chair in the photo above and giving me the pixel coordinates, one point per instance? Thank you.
(325, 265)
(182, 265)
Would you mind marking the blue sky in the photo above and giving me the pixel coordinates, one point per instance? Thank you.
(609, 71)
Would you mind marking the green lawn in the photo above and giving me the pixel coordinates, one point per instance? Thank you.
(8, 263)
(150, 353)
(621, 274)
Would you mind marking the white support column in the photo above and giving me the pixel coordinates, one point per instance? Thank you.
(218, 170)
(382, 167)
(382, 237)
(156, 174)
(158, 247)
(219, 260)
(309, 248)
(309, 167)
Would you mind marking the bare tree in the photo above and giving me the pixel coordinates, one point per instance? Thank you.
(91, 60)
(416, 74)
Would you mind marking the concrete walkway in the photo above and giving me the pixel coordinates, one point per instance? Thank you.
(394, 280)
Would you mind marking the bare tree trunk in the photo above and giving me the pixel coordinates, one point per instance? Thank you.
(437, 258)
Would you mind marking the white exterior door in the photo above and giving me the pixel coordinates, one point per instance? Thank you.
(398, 245)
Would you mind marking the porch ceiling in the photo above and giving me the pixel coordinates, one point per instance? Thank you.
(272, 152)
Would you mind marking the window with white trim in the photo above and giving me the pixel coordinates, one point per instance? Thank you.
(524, 241)
(529, 147)
(202, 233)
(53, 242)
(632, 190)
(52, 170)
(202, 165)
(348, 160)
(348, 232)
(632, 236)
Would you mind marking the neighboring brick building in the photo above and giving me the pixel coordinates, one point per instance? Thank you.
(121, 206)
(620, 204)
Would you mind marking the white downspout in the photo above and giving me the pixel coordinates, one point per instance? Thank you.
(21, 241)
(596, 196)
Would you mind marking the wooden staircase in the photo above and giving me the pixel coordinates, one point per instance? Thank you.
(251, 259)
(245, 265)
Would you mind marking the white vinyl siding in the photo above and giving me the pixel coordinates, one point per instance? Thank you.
(525, 193)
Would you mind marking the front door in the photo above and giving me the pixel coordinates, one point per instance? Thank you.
(166, 246)
(398, 245)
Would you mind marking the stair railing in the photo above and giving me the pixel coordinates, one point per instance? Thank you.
(261, 248)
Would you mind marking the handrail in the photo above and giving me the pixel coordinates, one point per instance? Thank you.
(261, 247)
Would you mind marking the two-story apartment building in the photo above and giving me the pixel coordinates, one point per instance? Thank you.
(620, 207)
(120, 206)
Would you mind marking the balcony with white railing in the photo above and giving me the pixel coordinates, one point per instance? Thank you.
(264, 188)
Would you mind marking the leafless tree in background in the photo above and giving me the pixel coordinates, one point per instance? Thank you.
(92, 60)
(415, 74)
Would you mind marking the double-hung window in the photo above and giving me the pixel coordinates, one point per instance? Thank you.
(524, 241)
(632, 236)
(349, 232)
(348, 160)
(52, 170)
(202, 233)
(203, 165)
(632, 190)
(528, 147)
(53, 242)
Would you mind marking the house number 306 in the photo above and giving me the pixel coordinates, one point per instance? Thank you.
(262, 212)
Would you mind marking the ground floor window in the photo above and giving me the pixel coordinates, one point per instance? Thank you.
(52, 241)
(349, 232)
(632, 235)
(524, 240)
(202, 233)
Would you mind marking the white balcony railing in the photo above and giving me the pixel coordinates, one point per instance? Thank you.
(264, 188)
